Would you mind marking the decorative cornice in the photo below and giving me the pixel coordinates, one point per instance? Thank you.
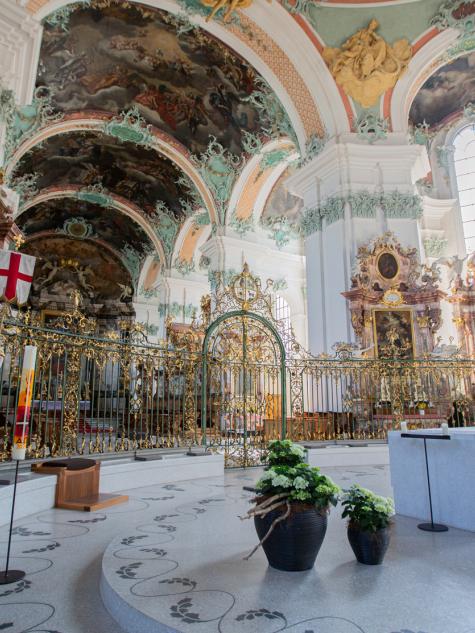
(364, 204)
(397, 205)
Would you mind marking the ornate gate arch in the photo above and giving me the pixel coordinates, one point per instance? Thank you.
(243, 372)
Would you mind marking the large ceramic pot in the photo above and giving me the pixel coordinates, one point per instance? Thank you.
(295, 542)
(369, 547)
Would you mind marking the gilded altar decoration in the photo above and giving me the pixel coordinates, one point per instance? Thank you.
(386, 277)
(366, 66)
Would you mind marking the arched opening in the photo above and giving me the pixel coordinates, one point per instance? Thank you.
(243, 390)
(464, 164)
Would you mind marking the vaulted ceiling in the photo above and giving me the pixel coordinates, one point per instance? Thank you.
(188, 84)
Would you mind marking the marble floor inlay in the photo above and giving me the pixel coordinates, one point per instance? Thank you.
(174, 555)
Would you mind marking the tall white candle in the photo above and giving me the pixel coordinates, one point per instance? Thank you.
(403, 427)
(20, 435)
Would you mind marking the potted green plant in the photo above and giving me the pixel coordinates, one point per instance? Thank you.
(291, 508)
(369, 520)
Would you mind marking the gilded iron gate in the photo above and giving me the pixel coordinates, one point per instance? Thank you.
(251, 386)
(243, 401)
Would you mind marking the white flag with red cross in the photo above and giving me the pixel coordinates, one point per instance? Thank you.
(16, 275)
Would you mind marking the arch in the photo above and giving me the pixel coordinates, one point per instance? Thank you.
(164, 145)
(252, 179)
(204, 361)
(117, 203)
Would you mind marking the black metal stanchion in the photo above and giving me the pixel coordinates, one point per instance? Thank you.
(429, 527)
(8, 576)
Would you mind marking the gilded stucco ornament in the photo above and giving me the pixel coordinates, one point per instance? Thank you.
(366, 66)
(228, 6)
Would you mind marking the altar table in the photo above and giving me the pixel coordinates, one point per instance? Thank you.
(452, 477)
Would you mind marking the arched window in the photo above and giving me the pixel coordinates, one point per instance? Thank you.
(282, 313)
(464, 162)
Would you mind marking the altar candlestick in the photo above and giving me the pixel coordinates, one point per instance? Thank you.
(20, 436)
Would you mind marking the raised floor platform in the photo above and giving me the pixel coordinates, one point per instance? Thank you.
(36, 493)
(174, 562)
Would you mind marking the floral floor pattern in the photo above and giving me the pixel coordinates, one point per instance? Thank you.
(174, 555)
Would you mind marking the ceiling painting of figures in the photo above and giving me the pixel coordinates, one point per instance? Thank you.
(89, 268)
(190, 85)
(79, 220)
(446, 92)
(282, 203)
(90, 158)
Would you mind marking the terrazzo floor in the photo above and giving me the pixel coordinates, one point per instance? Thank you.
(175, 552)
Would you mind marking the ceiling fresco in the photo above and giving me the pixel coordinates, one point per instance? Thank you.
(191, 86)
(63, 267)
(81, 221)
(282, 203)
(89, 158)
(446, 92)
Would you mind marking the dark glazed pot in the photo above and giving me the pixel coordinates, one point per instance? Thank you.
(369, 547)
(295, 542)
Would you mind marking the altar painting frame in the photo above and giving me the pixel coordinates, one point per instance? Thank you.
(406, 326)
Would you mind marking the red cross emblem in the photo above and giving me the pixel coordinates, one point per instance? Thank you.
(13, 276)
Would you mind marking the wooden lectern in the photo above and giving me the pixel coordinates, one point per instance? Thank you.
(77, 487)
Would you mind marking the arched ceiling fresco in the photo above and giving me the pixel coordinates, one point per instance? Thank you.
(282, 203)
(445, 93)
(186, 83)
(136, 173)
(82, 220)
(94, 271)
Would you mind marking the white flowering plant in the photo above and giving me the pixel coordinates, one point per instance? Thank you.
(284, 453)
(288, 481)
(365, 510)
(299, 483)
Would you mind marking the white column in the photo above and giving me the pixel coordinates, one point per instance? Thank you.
(349, 166)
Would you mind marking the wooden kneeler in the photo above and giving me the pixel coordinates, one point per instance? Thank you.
(77, 487)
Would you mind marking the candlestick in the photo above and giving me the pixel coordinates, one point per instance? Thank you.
(403, 427)
(445, 428)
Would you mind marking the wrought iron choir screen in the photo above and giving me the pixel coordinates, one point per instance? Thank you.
(230, 383)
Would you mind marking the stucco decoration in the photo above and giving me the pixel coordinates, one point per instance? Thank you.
(229, 6)
(366, 66)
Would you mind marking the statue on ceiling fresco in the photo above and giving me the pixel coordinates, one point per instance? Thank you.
(366, 66)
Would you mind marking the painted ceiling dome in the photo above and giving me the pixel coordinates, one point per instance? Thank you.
(183, 80)
(84, 158)
(445, 93)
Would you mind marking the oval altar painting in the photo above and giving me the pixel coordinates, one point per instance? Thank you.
(387, 266)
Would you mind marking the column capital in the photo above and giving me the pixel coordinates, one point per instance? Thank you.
(347, 165)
